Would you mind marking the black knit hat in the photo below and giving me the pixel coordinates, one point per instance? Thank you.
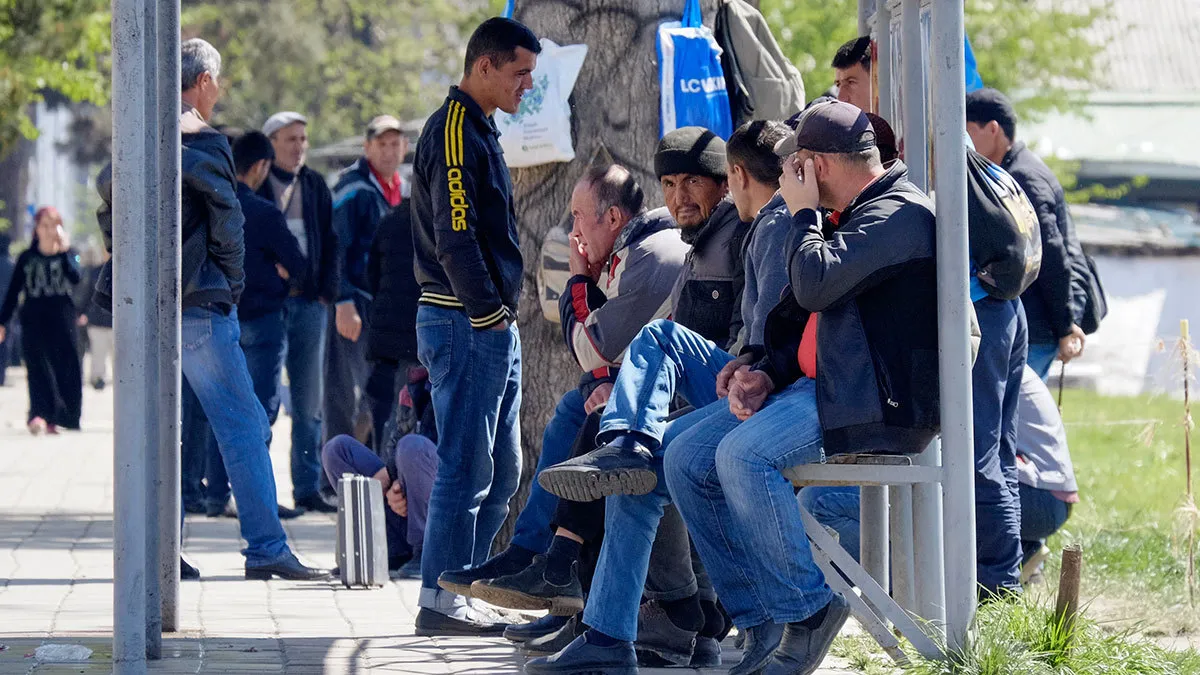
(692, 150)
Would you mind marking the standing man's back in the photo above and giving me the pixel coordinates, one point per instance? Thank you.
(468, 263)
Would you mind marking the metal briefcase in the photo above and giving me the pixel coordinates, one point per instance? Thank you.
(361, 532)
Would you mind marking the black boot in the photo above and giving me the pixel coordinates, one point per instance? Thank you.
(530, 589)
(512, 560)
(620, 467)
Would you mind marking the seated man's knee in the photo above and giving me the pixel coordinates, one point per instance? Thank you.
(337, 451)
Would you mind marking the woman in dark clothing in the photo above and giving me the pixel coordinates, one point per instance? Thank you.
(45, 274)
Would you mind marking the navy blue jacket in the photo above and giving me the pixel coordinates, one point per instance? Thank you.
(464, 222)
(268, 241)
(358, 206)
(321, 282)
(1056, 299)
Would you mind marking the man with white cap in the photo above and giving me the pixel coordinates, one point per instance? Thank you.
(306, 202)
(363, 195)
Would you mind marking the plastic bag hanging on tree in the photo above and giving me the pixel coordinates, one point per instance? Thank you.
(540, 131)
(691, 80)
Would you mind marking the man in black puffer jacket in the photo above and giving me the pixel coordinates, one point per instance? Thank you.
(212, 282)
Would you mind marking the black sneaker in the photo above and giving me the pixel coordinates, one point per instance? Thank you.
(529, 589)
(431, 623)
(316, 503)
(620, 467)
(557, 641)
(510, 561)
(524, 632)
(658, 635)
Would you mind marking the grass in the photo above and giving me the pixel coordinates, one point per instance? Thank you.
(1129, 465)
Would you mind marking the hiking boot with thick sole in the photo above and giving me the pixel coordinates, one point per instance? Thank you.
(529, 589)
(621, 467)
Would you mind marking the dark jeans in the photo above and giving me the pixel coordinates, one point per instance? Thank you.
(1042, 514)
(305, 354)
(996, 386)
(532, 530)
(346, 372)
(195, 436)
(416, 467)
(262, 341)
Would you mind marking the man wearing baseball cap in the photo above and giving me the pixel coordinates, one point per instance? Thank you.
(304, 198)
(364, 193)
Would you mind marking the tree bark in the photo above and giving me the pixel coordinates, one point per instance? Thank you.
(615, 103)
(14, 178)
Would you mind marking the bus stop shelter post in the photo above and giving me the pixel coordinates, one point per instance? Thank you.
(950, 179)
(168, 148)
(134, 277)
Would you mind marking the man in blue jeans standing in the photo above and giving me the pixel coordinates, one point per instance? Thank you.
(307, 205)
(469, 266)
(213, 278)
(848, 339)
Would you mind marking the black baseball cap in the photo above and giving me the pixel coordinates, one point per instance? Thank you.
(830, 127)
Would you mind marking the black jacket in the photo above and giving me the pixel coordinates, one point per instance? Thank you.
(708, 295)
(323, 269)
(358, 206)
(1056, 299)
(268, 242)
(464, 221)
(211, 271)
(392, 332)
(874, 283)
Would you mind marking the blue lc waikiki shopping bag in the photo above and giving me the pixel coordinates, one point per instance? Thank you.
(690, 76)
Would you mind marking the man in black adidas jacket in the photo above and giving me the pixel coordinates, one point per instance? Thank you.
(468, 263)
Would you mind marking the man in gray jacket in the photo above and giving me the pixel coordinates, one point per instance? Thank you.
(624, 263)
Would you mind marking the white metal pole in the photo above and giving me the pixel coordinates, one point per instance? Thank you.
(133, 325)
(170, 506)
(928, 549)
(874, 539)
(866, 9)
(883, 68)
(914, 103)
(949, 117)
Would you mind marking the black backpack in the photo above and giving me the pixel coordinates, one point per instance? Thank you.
(1096, 307)
(1006, 240)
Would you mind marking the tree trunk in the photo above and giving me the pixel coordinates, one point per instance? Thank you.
(14, 178)
(615, 102)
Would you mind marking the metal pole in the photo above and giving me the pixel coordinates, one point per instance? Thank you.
(900, 510)
(874, 539)
(883, 69)
(949, 117)
(170, 506)
(133, 325)
(150, 207)
(913, 103)
(928, 549)
(866, 9)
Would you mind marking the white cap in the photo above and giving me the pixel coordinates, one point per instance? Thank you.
(280, 120)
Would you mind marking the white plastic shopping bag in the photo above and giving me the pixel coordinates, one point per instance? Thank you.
(540, 131)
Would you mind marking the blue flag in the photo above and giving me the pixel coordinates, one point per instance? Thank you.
(974, 81)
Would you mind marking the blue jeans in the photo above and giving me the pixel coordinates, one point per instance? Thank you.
(664, 359)
(476, 381)
(1041, 357)
(996, 387)
(215, 367)
(837, 507)
(262, 342)
(305, 344)
(532, 530)
(760, 566)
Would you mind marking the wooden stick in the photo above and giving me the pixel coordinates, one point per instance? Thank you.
(1185, 346)
(1068, 585)
(1062, 377)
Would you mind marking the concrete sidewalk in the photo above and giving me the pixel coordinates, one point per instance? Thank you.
(56, 577)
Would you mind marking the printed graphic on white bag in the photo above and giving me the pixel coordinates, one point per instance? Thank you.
(532, 103)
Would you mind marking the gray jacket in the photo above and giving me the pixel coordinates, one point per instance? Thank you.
(707, 295)
(599, 320)
(1044, 462)
(766, 262)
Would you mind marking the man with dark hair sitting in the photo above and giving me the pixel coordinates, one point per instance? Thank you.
(852, 73)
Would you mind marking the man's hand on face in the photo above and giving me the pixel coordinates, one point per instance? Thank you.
(579, 262)
(798, 185)
(748, 392)
(599, 398)
(726, 374)
(397, 500)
